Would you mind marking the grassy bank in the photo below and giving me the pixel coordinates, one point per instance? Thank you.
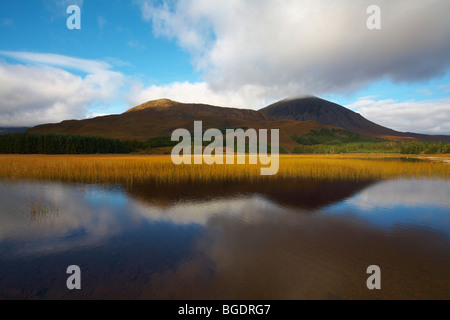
(337, 141)
(325, 141)
(160, 169)
(375, 147)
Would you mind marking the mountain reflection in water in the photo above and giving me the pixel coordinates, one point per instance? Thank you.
(304, 194)
(287, 240)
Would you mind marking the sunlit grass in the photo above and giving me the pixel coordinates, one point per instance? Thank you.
(160, 169)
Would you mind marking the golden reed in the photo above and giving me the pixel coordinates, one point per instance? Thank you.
(160, 169)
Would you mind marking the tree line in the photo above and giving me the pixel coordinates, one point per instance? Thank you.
(26, 143)
(332, 137)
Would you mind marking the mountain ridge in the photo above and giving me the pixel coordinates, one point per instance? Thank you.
(7, 130)
(161, 117)
(328, 113)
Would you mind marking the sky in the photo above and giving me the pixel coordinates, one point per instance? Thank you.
(233, 53)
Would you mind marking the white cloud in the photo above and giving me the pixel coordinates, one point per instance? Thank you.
(291, 47)
(97, 114)
(425, 92)
(42, 91)
(57, 60)
(247, 97)
(136, 45)
(430, 116)
(102, 22)
(445, 88)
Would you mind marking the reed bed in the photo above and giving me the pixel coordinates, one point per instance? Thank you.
(42, 211)
(160, 169)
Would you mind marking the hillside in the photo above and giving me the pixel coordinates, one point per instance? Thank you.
(161, 117)
(6, 130)
(294, 118)
(154, 118)
(332, 114)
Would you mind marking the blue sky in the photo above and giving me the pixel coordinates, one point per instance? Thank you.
(110, 30)
(244, 54)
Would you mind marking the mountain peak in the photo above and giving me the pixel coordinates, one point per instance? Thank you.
(311, 108)
(325, 113)
(160, 103)
(303, 97)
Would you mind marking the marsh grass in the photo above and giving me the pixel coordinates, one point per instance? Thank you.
(160, 169)
(41, 211)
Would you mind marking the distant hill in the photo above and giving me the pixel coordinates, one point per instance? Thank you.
(332, 114)
(294, 118)
(153, 119)
(6, 130)
(160, 118)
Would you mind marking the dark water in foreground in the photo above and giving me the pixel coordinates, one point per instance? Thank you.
(292, 240)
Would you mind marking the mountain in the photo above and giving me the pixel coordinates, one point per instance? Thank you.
(160, 118)
(332, 114)
(6, 130)
(154, 118)
(294, 117)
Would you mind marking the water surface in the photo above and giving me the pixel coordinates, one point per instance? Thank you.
(290, 240)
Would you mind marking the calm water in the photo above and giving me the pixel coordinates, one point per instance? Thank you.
(292, 240)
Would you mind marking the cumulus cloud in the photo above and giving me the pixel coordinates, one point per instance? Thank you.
(292, 47)
(247, 97)
(43, 91)
(429, 116)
